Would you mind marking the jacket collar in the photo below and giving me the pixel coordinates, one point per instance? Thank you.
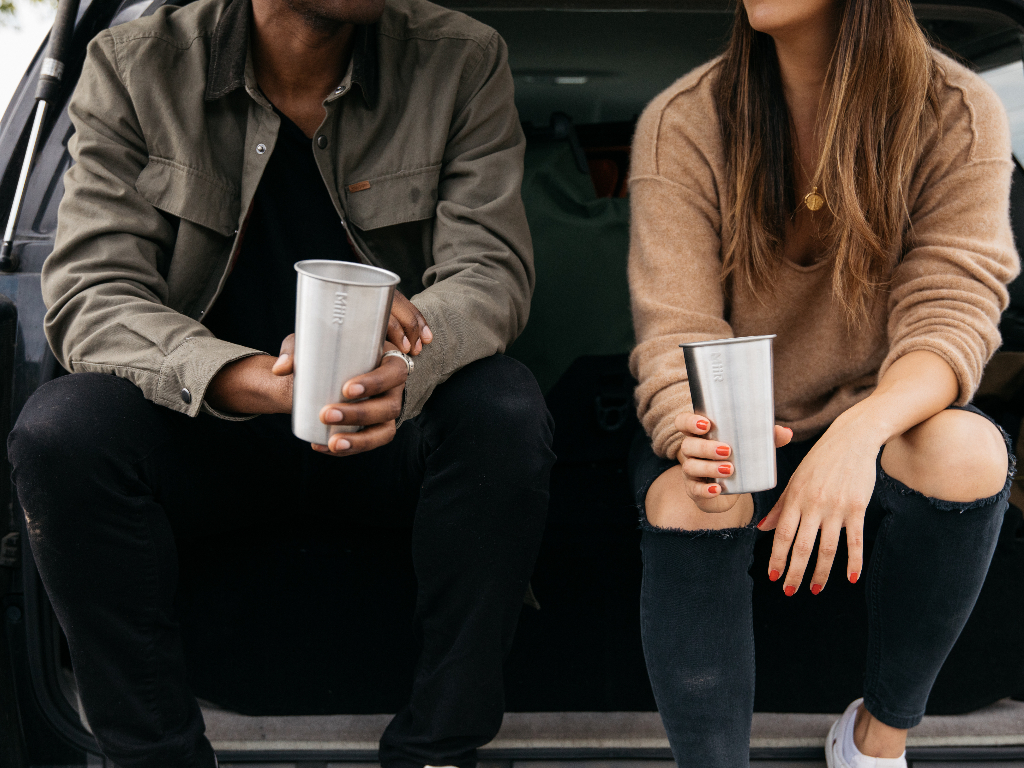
(230, 47)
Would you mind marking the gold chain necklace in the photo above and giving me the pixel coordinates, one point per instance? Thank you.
(812, 199)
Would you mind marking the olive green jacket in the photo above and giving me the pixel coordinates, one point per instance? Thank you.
(421, 150)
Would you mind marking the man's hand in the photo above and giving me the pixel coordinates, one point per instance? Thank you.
(407, 328)
(253, 385)
(382, 390)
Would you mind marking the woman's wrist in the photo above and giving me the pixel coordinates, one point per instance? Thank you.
(866, 423)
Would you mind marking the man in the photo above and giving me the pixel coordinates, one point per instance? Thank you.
(216, 145)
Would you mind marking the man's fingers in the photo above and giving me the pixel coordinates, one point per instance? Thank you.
(855, 548)
(826, 555)
(285, 363)
(391, 373)
(373, 410)
(415, 332)
(351, 443)
(396, 334)
(803, 548)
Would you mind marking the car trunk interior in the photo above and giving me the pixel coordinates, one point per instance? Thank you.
(298, 628)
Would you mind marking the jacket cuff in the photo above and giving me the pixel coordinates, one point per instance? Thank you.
(424, 378)
(190, 367)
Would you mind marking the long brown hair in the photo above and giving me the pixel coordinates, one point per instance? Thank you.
(880, 79)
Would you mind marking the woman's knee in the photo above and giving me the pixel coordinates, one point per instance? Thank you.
(668, 506)
(955, 455)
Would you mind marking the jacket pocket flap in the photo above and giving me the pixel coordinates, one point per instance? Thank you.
(188, 194)
(394, 199)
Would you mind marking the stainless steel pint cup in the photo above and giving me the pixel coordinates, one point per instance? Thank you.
(731, 383)
(341, 319)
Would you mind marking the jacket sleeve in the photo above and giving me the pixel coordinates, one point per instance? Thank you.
(478, 289)
(949, 290)
(104, 285)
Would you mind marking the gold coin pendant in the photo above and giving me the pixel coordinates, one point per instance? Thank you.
(813, 200)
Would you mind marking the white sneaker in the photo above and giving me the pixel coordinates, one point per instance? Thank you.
(841, 752)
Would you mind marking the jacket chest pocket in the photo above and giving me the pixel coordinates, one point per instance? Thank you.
(397, 198)
(190, 195)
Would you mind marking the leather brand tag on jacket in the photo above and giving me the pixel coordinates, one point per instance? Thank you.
(359, 186)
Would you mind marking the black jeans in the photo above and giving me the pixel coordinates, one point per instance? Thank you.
(927, 567)
(106, 478)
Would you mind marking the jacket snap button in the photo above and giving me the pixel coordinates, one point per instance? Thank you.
(261, 148)
(321, 141)
(186, 396)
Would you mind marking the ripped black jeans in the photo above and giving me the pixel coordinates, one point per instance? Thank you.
(928, 565)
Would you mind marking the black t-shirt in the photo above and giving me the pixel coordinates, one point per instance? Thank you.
(292, 219)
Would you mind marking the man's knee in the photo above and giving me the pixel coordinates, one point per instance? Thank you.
(70, 422)
(500, 396)
(954, 456)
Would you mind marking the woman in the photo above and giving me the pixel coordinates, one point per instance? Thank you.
(833, 180)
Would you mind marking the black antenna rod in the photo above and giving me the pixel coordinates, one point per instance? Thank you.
(46, 91)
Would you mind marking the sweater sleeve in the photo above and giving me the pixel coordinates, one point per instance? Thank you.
(949, 290)
(674, 258)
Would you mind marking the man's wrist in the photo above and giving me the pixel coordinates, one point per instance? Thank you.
(249, 386)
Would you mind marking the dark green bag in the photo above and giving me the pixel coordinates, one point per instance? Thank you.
(581, 304)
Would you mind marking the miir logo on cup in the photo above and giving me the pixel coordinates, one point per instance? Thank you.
(717, 366)
(340, 306)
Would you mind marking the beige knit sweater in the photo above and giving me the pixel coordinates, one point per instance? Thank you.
(946, 294)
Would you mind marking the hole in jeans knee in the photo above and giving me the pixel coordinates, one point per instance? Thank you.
(724, 533)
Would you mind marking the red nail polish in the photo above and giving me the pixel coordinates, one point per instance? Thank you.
(773, 575)
(790, 590)
(724, 469)
(816, 588)
(701, 424)
(713, 489)
(722, 450)
(761, 521)
(853, 577)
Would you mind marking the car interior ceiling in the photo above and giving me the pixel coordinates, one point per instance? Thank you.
(275, 617)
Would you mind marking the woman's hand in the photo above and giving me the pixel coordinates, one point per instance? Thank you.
(704, 461)
(829, 491)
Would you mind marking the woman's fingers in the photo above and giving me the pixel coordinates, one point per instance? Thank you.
(830, 533)
(696, 468)
(787, 522)
(698, 490)
(800, 556)
(783, 435)
(692, 423)
(854, 548)
(702, 448)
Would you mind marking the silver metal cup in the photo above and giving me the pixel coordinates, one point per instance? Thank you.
(731, 383)
(341, 319)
